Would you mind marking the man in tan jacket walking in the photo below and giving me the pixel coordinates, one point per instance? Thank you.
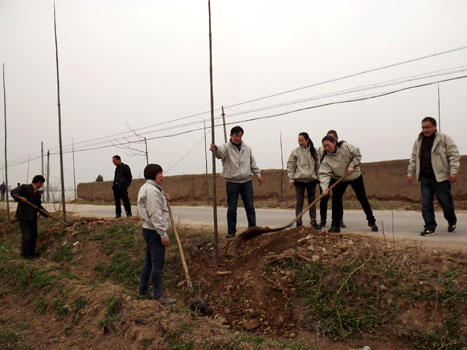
(238, 168)
(434, 162)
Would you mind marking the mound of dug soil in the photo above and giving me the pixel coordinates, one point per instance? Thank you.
(294, 289)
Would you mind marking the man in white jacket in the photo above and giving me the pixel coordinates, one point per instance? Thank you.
(434, 162)
(152, 207)
(239, 166)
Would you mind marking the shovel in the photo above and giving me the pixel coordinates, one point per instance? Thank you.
(254, 231)
(43, 211)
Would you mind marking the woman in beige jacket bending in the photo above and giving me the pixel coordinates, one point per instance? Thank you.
(341, 159)
(302, 169)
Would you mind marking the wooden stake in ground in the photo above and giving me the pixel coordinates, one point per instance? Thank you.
(213, 139)
(62, 179)
(6, 157)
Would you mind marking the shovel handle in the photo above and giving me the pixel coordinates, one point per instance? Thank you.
(42, 211)
(315, 201)
(179, 243)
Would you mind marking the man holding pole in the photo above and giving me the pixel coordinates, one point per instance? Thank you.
(27, 215)
(239, 166)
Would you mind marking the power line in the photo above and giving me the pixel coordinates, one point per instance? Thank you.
(277, 94)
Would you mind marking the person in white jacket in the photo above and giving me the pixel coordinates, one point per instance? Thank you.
(341, 159)
(238, 168)
(152, 207)
(435, 162)
(302, 170)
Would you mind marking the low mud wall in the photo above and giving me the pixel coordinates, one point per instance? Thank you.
(383, 180)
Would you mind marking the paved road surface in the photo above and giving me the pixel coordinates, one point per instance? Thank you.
(405, 224)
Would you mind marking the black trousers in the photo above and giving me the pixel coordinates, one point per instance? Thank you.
(338, 193)
(430, 187)
(300, 188)
(28, 237)
(121, 194)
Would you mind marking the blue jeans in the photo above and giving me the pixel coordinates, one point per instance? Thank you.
(443, 194)
(153, 264)
(246, 191)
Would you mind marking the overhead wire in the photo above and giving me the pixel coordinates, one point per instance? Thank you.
(436, 54)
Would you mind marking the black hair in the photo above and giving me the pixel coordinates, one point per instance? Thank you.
(310, 144)
(151, 170)
(333, 132)
(117, 157)
(38, 178)
(331, 139)
(429, 119)
(236, 129)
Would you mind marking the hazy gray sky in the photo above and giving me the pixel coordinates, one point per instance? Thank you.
(142, 63)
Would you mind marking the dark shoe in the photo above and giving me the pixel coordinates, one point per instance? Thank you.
(334, 229)
(341, 223)
(165, 300)
(374, 228)
(117, 216)
(427, 232)
(322, 223)
(315, 225)
(37, 255)
(451, 228)
(299, 224)
(128, 215)
(230, 235)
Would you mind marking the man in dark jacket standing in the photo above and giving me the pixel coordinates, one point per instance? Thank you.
(122, 181)
(27, 215)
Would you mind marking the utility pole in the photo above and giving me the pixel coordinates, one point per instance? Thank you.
(59, 121)
(74, 174)
(146, 146)
(206, 161)
(6, 157)
(48, 176)
(213, 139)
(223, 122)
(283, 186)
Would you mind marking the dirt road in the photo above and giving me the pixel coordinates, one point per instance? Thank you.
(405, 224)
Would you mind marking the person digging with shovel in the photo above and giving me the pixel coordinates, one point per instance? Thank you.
(152, 207)
(27, 215)
(340, 159)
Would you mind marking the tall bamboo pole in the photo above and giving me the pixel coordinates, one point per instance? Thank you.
(223, 122)
(6, 157)
(42, 158)
(213, 139)
(74, 173)
(27, 174)
(62, 179)
(439, 109)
